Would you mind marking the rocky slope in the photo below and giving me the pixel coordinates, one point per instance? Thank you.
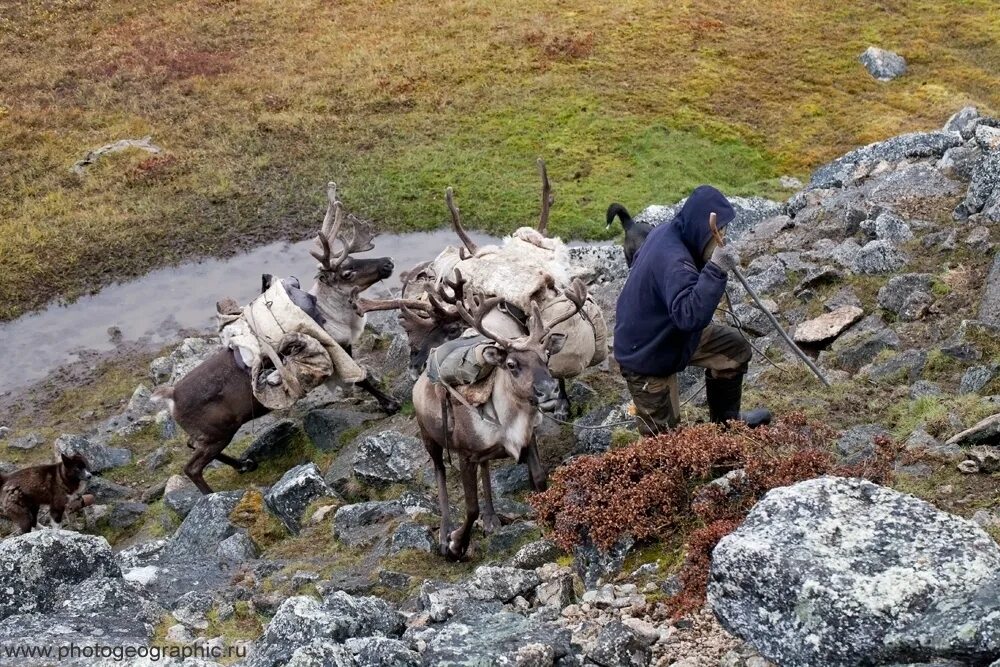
(883, 266)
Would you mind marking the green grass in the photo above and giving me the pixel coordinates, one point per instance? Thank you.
(257, 105)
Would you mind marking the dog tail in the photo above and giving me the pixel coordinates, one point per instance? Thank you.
(619, 211)
(165, 395)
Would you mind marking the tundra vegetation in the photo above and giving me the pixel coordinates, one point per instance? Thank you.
(251, 102)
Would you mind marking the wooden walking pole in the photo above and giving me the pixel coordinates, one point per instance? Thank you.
(753, 295)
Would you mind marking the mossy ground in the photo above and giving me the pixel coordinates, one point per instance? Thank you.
(257, 105)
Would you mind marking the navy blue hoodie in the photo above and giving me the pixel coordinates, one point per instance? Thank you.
(671, 293)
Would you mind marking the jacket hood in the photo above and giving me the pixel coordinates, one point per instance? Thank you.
(692, 220)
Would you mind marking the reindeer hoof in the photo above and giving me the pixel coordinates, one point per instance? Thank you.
(491, 524)
(247, 465)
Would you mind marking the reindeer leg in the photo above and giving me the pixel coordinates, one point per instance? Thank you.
(490, 520)
(437, 457)
(535, 469)
(241, 465)
(460, 538)
(204, 452)
(388, 404)
(562, 411)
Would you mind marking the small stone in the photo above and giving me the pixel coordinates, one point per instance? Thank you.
(827, 326)
(892, 228)
(987, 137)
(968, 467)
(179, 634)
(845, 296)
(975, 379)
(26, 442)
(978, 240)
(883, 65)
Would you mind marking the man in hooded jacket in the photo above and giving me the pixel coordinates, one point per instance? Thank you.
(664, 318)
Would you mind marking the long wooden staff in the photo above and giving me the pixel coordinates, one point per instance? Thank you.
(753, 295)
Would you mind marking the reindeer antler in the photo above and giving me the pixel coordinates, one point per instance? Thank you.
(548, 198)
(331, 226)
(363, 305)
(456, 224)
(480, 306)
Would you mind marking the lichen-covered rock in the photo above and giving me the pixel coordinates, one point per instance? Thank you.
(321, 654)
(883, 65)
(205, 526)
(35, 565)
(619, 646)
(976, 378)
(381, 652)
(983, 188)
(502, 583)
(99, 457)
(989, 308)
(535, 554)
(290, 496)
(492, 638)
(181, 495)
(908, 365)
(963, 121)
(237, 548)
(388, 458)
(301, 621)
(362, 523)
(834, 572)
(412, 536)
(592, 432)
(879, 257)
(857, 443)
(915, 145)
(593, 564)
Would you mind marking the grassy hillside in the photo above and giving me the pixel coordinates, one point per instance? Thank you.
(258, 103)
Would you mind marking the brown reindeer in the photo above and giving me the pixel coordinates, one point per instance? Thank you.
(216, 398)
(504, 425)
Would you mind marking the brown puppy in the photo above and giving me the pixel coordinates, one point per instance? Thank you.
(24, 491)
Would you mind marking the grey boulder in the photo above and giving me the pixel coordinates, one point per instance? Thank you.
(99, 457)
(834, 572)
(33, 566)
(389, 458)
(883, 65)
(302, 620)
(205, 526)
(291, 494)
(894, 293)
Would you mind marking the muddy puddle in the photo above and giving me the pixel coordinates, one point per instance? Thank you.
(167, 304)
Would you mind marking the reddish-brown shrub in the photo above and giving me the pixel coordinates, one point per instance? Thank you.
(659, 485)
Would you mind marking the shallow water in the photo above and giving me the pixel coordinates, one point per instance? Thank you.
(163, 305)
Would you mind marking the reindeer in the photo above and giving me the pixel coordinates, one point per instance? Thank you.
(216, 398)
(428, 328)
(504, 425)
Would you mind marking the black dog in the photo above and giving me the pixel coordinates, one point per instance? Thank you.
(23, 492)
(635, 232)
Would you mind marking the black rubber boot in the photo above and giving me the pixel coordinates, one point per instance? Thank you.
(724, 396)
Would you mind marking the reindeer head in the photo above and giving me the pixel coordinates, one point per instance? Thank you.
(523, 360)
(339, 271)
(428, 327)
